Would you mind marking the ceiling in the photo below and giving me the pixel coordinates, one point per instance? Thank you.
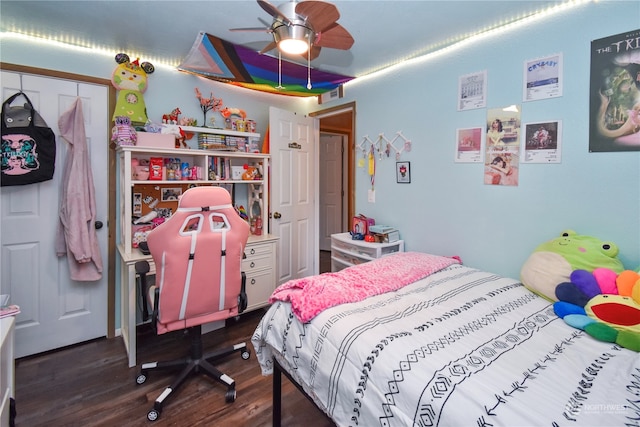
(385, 32)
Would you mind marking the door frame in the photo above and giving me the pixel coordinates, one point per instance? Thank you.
(344, 183)
(111, 171)
(348, 108)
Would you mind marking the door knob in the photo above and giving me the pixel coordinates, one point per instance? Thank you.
(277, 215)
(98, 225)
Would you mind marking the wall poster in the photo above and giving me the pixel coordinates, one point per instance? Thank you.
(472, 91)
(469, 145)
(542, 142)
(614, 110)
(543, 78)
(502, 146)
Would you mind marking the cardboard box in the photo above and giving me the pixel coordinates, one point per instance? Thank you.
(156, 140)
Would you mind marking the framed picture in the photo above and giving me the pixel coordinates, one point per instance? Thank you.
(403, 172)
(170, 194)
(137, 203)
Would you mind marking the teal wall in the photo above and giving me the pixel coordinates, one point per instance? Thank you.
(447, 209)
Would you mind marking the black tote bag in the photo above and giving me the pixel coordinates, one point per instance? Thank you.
(28, 151)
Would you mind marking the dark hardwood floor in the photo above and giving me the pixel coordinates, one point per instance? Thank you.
(325, 261)
(90, 384)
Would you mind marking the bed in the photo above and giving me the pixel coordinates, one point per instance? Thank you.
(455, 347)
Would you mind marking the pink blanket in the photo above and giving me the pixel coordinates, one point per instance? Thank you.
(310, 295)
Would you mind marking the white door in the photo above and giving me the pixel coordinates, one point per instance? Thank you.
(331, 175)
(55, 311)
(294, 148)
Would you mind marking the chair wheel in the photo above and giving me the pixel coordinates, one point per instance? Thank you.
(140, 379)
(245, 355)
(230, 396)
(153, 415)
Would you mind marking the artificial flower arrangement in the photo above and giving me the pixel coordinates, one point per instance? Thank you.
(208, 104)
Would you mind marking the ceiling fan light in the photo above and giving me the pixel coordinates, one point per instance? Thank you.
(293, 39)
(293, 46)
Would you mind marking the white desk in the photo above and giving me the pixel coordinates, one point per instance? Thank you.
(128, 298)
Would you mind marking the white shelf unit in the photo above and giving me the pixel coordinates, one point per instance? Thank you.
(346, 252)
(260, 250)
(194, 157)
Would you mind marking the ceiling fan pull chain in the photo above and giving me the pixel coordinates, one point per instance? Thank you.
(279, 71)
(309, 68)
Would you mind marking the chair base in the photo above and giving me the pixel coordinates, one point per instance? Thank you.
(196, 362)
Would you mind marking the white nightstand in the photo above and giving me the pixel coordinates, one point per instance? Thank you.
(346, 252)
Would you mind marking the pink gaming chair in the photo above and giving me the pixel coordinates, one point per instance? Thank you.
(198, 255)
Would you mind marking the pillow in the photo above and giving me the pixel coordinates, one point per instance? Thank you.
(552, 262)
(604, 304)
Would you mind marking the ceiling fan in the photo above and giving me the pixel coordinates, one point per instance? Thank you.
(303, 28)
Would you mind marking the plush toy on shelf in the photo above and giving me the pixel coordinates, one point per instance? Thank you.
(123, 133)
(130, 78)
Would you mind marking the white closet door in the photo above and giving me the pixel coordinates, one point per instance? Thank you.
(55, 310)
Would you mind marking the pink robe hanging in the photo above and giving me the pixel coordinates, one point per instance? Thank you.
(76, 231)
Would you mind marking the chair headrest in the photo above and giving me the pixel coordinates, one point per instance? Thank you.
(204, 197)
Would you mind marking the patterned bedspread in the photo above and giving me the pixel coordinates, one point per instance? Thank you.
(460, 347)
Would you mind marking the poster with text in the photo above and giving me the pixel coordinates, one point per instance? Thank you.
(614, 110)
(469, 145)
(472, 91)
(542, 142)
(543, 78)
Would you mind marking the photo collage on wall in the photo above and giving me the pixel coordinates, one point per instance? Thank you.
(505, 142)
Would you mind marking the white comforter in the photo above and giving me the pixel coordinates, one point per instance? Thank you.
(461, 347)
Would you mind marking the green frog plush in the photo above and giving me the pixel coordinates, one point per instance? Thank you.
(552, 262)
(591, 289)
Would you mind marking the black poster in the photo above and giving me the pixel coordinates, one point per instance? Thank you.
(614, 122)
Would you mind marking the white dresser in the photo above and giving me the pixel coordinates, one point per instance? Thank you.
(346, 252)
(259, 267)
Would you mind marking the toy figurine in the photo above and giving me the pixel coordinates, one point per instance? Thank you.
(130, 78)
(123, 133)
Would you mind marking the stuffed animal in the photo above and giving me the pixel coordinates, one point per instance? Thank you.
(553, 262)
(130, 78)
(123, 133)
(591, 289)
(228, 112)
(604, 304)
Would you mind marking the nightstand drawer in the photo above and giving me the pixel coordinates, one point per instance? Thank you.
(257, 263)
(260, 286)
(258, 250)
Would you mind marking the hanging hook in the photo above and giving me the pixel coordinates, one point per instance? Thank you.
(77, 89)
(20, 82)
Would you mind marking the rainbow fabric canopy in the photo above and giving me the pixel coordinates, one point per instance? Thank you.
(226, 62)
